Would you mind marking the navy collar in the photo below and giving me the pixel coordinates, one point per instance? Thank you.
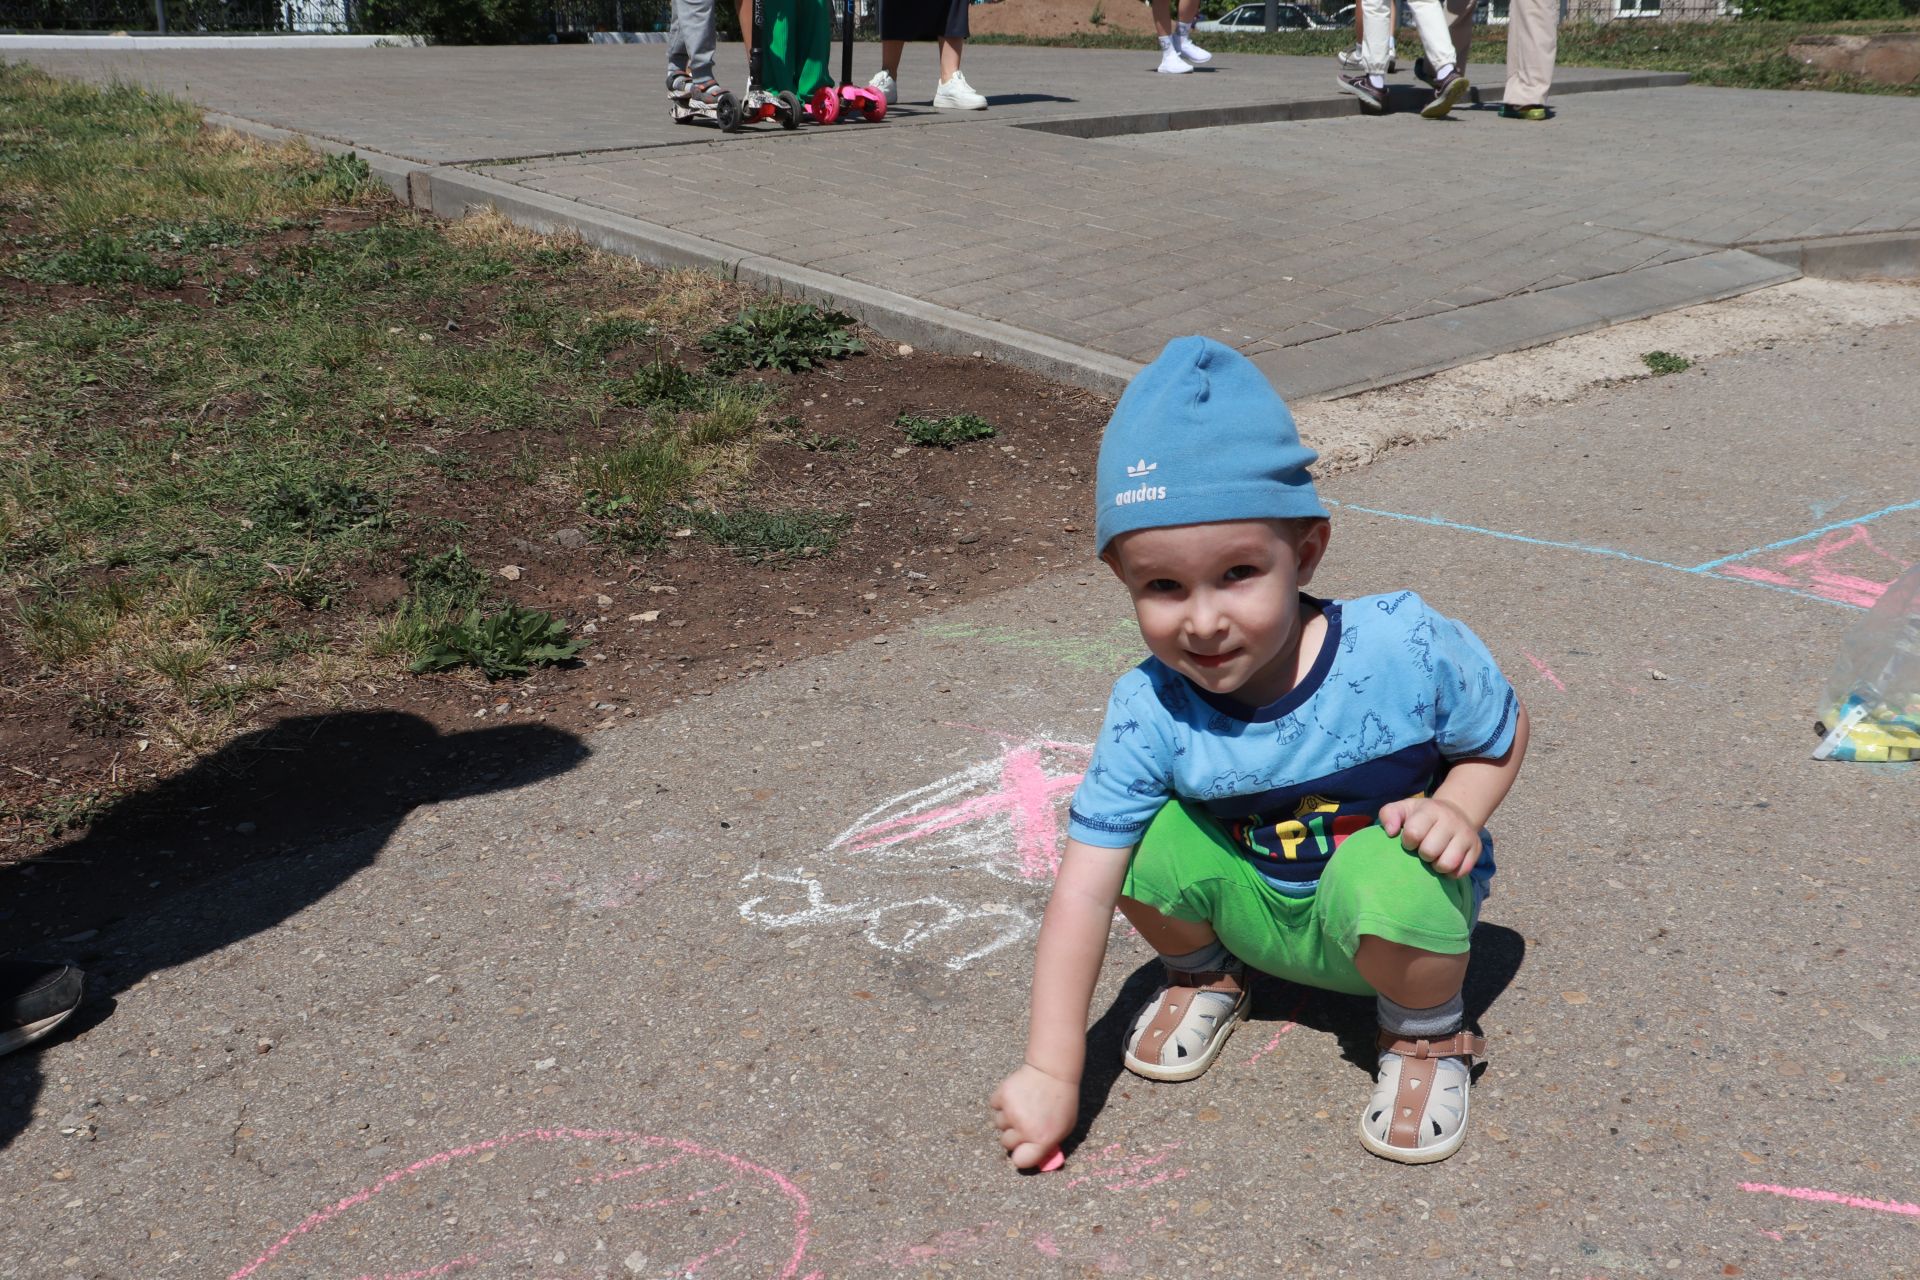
(1294, 697)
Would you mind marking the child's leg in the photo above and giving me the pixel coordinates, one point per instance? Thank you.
(1407, 930)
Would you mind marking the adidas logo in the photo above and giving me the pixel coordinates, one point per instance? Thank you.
(1139, 470)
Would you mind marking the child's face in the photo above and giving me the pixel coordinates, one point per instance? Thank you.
(1220, 602)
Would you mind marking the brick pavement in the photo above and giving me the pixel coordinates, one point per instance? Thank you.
(1340, 252)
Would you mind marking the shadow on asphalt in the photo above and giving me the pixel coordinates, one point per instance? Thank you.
(1498, 953)
(302, 806)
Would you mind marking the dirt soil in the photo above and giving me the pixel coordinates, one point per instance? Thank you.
(1060, 18)
(928, 527)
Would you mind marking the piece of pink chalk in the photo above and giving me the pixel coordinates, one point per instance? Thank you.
(1058, 1160)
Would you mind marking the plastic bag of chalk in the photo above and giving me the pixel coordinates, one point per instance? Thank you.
(1871, 707)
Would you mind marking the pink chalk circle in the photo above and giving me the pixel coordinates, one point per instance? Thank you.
(1055, 1162)
(563, 1173)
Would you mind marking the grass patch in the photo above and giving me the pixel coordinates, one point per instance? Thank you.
(946, 432)
(1665, 362)
(771, 535)
(1736, 53)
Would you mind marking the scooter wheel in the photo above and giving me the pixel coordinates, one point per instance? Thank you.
(787, 109)
(727, 112)
(825, 104)
(876, 108)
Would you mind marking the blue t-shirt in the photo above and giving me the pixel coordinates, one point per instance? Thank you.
(1397, 693)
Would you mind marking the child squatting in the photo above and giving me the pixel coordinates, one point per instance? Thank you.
(1288, 783)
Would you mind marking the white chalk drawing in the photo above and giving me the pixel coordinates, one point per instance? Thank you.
(1002, 819)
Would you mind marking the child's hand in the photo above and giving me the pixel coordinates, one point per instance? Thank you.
(1442, 835)
(1033, 1112)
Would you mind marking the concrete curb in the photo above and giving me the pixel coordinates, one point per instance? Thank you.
(1364, 359)
(453, 192)
(395, 172)
(1891, 255)
(1332, 107)
(130, 43)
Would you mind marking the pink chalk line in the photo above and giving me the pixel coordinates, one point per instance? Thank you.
(1285, 1027)
(1131, 1170)
(1028, 797)
(1810, 571)
(1545, 671)
(705, 1258)
(426, 1273)
(802, 1210)
(649, 1167)
(1834, 1197)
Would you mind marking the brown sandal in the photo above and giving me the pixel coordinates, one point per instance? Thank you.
(1418, 1111)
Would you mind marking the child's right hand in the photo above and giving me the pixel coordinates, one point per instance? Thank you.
(1033, 1113)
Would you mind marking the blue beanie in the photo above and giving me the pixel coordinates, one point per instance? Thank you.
(1199, 436)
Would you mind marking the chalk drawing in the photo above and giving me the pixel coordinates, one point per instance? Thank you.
(524, 1207)
(1844, 565)
(1113, 1169)
(1546, 672)
(937, 850)
(1812, 574)
(1287, 1025)
(1834, 1197)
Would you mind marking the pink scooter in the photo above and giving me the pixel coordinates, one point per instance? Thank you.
(847, 99)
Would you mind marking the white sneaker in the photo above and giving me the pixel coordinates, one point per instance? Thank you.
(1172, 64)
(1354, 59)
(957, 95)
(884, 84)
(1184, 45)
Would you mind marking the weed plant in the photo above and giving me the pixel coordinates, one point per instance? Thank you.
(788, 336)
(946, 432)
(1665, 362)
(507, 642)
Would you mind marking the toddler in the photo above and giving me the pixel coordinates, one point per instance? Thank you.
(1288, 783)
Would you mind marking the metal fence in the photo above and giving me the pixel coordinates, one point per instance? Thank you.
(333, 17)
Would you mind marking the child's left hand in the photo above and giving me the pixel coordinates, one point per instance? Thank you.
(1441, 834)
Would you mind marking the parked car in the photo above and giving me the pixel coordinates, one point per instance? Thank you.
(1253, 17)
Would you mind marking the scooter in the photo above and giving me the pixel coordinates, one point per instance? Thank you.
(758, 104)
(836, 102)
(686, 109)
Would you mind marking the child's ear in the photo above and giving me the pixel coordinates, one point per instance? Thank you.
(1311, 548)
(1111, 559)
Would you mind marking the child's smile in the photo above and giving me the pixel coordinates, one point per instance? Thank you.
(1220, 602)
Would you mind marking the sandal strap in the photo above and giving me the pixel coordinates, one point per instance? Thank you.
(1461, 1044)
(1167, 1018)
(1419, 1067)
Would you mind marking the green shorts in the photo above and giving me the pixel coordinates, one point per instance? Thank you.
(1186, 867)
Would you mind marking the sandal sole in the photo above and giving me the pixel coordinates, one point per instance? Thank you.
(1419, 1155)
(1197, 1067)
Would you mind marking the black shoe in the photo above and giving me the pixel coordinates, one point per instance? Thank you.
(1423, 70)
(35, 997)
(1373, 101)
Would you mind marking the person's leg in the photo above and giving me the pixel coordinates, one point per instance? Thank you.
(1407, 931)
(1533, 41)
(890, 51)
(950, 53)
(1171, 63)
(1431, 21)
(1201, 906)
(1376, 36)
(1460, 28)
(1183, 35)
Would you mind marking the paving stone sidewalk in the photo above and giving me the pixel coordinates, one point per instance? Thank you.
(1339, 252)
